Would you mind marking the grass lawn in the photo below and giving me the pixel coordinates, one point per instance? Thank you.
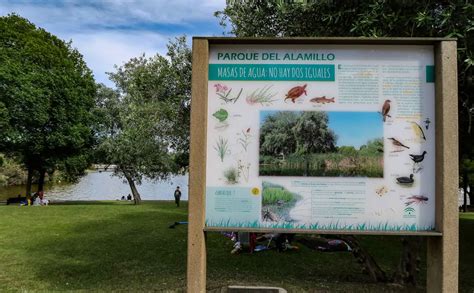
(106, 246)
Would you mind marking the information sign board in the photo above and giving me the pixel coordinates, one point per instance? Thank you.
(321, 137)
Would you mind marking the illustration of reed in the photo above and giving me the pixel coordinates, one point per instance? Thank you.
(245, 138)
(262, 96)
(223, 92)
(222, 147)
(244, 170)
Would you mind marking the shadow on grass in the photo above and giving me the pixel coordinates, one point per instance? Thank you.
(466, 252)
(132, 251)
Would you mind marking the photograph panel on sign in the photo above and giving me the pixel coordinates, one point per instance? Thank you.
(321, 144)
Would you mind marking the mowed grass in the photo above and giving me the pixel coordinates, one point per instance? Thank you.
(116, 246)
(466, 252)
(100, 246)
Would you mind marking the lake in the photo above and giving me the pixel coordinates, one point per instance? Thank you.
(103, 186)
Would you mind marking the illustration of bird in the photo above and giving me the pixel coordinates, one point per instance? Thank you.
(418, 158)
(418, 130)
(386, 109)
(427, 123)
(397, 143)
(406, 180)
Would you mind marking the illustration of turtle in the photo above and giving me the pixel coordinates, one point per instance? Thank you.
(296, 92)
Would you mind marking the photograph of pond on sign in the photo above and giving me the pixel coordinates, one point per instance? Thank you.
(319, 143)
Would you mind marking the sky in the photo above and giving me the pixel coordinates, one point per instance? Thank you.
(109, 32)
(351, 128)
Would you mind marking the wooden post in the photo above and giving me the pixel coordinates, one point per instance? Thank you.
(196, 267)
(443, 252)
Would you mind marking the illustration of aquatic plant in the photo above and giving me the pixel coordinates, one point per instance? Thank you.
(222, 148)
(244, 170)
(245, 138)
(223, 92)
(231, 175)
(221, 115)
(262, 96)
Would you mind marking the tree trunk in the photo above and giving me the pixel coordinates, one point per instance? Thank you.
(29, 180)
(471, 198)
(368, 263)
(408, 267)
(306, 169)
(464, 183)
(41, 180)
(136, 195)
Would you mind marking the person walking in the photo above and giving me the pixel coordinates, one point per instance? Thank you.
(177, 196)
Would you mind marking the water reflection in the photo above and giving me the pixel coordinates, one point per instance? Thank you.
(104, 186)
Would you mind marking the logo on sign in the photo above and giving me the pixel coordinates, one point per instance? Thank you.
(409, 212)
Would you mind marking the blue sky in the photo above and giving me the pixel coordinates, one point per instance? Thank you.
(351, 128)
(109, 32)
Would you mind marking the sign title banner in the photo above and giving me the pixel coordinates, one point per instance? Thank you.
(272, 72)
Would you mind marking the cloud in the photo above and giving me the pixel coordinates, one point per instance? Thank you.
(77, 14)
(104, 49)
(111, 32)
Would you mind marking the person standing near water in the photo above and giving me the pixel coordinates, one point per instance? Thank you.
(177, 196)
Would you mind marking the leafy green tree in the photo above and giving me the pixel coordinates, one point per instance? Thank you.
(347, 150)
(46, 96)
(373, 147)
(313, 135)
(374, 18)
(144, 124)
(276, 134)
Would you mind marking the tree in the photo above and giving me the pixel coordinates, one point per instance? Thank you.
(373, 147)
(144, 127)
(375, 18)
(276, 134)
(313, 135)
(46, 96)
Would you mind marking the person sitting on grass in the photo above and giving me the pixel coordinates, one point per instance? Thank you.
(39, 199)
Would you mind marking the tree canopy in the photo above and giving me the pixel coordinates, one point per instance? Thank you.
(374, 18)
(144, 123)
(46, 96)
(287, 132)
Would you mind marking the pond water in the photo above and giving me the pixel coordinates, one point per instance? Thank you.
(104, 186)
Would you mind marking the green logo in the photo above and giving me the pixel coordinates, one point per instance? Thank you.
(409, 211)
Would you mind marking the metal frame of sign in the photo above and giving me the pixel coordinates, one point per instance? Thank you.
(442, 252)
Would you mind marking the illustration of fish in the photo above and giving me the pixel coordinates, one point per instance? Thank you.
(296, 92)
(322, 100)
(416, 199)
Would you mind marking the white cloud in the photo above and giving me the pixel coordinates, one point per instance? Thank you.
(111, 32)
(75, 14)
(104, 49)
